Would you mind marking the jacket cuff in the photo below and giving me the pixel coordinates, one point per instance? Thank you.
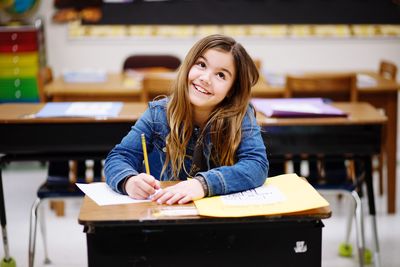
(121, 185)
(203, 183)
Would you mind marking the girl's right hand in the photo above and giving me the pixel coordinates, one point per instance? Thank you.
(141, 186)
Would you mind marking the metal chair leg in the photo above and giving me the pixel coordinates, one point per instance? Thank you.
(350, 218)
(346, 249)
(359, 228)
(377, 258)
(42, 223)
(32, 232)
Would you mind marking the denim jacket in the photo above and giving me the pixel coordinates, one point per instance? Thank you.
(126, 158)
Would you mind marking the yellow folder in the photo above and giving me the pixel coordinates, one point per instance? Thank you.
(293, 194)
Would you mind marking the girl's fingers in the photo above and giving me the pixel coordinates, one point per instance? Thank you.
(164, 197)
(139, 194)
(175, 198)
(185, 200)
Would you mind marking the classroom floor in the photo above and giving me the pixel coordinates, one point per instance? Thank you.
(67, 243)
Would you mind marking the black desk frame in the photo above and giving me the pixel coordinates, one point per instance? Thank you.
(215, 242)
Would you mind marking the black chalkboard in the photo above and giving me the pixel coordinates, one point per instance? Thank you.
(195, 12)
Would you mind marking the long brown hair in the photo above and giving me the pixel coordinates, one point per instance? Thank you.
(224, 123)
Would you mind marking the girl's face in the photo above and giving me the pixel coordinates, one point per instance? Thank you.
(210, 79)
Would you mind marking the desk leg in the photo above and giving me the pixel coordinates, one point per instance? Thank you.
(7, 260)
(388, 101)
(391, 146)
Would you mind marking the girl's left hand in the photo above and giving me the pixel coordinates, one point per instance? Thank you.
(181, 193)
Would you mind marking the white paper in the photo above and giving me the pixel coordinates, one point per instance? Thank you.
(102, 194)
(177, 211)
(297, 107)
(258, 196)
(364, 80)
(89, 109)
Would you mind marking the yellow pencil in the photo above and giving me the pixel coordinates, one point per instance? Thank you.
(146, 159)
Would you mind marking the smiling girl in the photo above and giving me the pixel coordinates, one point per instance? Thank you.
(206, 130)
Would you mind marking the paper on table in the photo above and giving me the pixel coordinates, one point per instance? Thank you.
(299, 196)
(296, 107)
(80, 109)
(102, 194)
(257, 196)
(364, 80)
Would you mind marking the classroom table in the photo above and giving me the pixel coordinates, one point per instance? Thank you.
(383, 95)
(24, 137)
(116, 87)
(357, 137)
(134, 235)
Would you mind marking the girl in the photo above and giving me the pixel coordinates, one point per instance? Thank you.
(206, 130)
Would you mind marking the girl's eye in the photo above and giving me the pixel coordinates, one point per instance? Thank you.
(221, 75)
(201, 64)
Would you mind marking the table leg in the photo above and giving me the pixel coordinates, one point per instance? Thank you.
(7, 260)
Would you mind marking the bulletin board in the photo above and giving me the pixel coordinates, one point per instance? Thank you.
(207, 12)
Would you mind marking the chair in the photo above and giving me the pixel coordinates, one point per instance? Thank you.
(153, 85)
(59, 184)
(151, 63)
(388, 70)
(336, 87)
(333, 174)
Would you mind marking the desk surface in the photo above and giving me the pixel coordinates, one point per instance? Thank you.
(146, 213)
(358, 113)
(117, 88)
(22, 113)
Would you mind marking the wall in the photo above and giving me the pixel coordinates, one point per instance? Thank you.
(277, 55)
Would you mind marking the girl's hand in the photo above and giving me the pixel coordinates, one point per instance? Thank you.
(180, 193)
(141, 186)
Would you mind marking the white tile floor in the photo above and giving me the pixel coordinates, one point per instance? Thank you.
(67, 242)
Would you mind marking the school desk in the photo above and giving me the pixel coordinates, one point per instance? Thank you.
(382, 95)
(24, 137)
(134, 235)
(115, 88)
(358, 136)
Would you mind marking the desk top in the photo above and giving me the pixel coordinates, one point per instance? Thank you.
(23, 113)
(117, 88)
(359, 113)
(147, 213)
(115, 84)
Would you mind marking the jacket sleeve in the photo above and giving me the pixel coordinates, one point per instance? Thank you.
(126, 158)
(251, 168)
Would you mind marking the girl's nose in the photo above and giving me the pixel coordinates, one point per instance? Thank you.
(205, 77)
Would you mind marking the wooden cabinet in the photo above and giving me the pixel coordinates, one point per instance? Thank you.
(22, 54)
